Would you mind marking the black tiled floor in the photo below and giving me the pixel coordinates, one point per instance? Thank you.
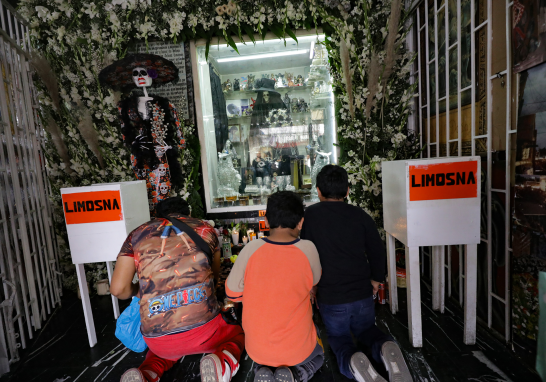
(61, 352)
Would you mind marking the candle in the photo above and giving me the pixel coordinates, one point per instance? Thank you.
(245, 240)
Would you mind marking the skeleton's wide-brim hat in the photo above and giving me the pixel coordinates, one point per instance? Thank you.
(119, 75)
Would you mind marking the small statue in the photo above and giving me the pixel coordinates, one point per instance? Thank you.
(226, 86)
(289, 77)
(299, 80)
(302, 106)
(265, 76)
(294, 105)
(322, 160)
(286, 100)
(236, 85)
(250, 83)
(273, 77)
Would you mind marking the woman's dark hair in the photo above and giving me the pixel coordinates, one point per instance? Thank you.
(284, 210)
(172, 206)
(332, 181)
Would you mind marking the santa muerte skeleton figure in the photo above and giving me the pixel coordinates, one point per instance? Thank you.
(149, 124)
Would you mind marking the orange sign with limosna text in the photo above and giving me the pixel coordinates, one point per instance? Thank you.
(92, 207)
(455, 180)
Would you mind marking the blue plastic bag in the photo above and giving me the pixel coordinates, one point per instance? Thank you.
(128, 327)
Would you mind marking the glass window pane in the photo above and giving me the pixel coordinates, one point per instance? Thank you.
(432, 87)
(431, 31)
(466, 68)
(268, 119)
(481, 82)
(441, 54)
(452, 19)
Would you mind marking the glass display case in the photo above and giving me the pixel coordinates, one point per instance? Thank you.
(265, 118)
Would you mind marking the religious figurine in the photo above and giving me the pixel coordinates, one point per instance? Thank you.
(226, 86)
(268, 99)
(302, 106)
(286, 100)
(250, 83)
(322, 160)
(149, 124)
(280, 81)
(289, 77)
(236, 85)
(294, 105)
(228, 178)
(299, 80)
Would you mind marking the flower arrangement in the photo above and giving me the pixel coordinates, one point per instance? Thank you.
(76, 39)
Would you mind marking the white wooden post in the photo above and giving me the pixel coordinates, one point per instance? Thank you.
(414, 296)
(438, 278)
(470, 290)
(391, 264)
(87, 312)
(115, 303)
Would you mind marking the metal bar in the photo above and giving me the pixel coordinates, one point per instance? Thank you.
(19, 205)
(459, 111)
(493, 294)
(488, 186)
(461, 257)
(419, 82)
(446, 26)
(437, 76)
(427, 55)
(19, 117)
(507, 209)
(479, 26)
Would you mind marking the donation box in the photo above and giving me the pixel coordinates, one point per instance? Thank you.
(100, 217)
(436, 203)
(428, 202)
(98, 220)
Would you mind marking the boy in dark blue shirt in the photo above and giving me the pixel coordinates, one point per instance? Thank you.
(353, 264)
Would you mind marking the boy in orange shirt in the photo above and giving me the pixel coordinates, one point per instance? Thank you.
(273, 277)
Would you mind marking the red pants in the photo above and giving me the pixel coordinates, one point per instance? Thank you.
(213, 337)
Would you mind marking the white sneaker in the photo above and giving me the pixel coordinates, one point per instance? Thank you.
(211, 368)
(363, 370)
(394, 362)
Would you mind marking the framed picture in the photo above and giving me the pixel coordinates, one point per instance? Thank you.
(235, 107)
(234, 133)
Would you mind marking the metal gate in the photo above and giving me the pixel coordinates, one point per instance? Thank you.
(31, 284)
(465, 105)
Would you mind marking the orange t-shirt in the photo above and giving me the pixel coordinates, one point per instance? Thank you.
(273, 280)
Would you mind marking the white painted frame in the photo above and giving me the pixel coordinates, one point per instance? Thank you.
(424, 107)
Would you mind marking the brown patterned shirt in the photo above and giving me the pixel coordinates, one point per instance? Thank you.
(176, 281)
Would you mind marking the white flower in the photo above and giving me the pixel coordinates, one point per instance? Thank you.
(91, 10)
(60, 32)
(43, 12)
(123, 3)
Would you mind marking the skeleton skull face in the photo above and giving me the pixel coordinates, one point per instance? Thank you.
(162, 169)
(164, 188)
(141, 78)
(266, 97)
(150, 204)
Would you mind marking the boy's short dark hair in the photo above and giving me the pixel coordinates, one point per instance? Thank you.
(333, 181)
(172, 206)
(284, 210)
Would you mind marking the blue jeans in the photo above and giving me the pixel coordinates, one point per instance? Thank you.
(357, 318)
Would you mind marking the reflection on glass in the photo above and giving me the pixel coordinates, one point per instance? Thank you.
(453, 78)
(441, 54)
(267, 118)
(466, 36)
(431, 31)
(452, 19)
(481, 81)
(432, 87)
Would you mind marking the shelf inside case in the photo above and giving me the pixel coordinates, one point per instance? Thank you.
(253, 143)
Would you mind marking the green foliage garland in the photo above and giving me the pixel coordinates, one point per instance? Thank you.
(79, 38)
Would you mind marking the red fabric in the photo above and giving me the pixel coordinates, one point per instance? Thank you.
(213, 337)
